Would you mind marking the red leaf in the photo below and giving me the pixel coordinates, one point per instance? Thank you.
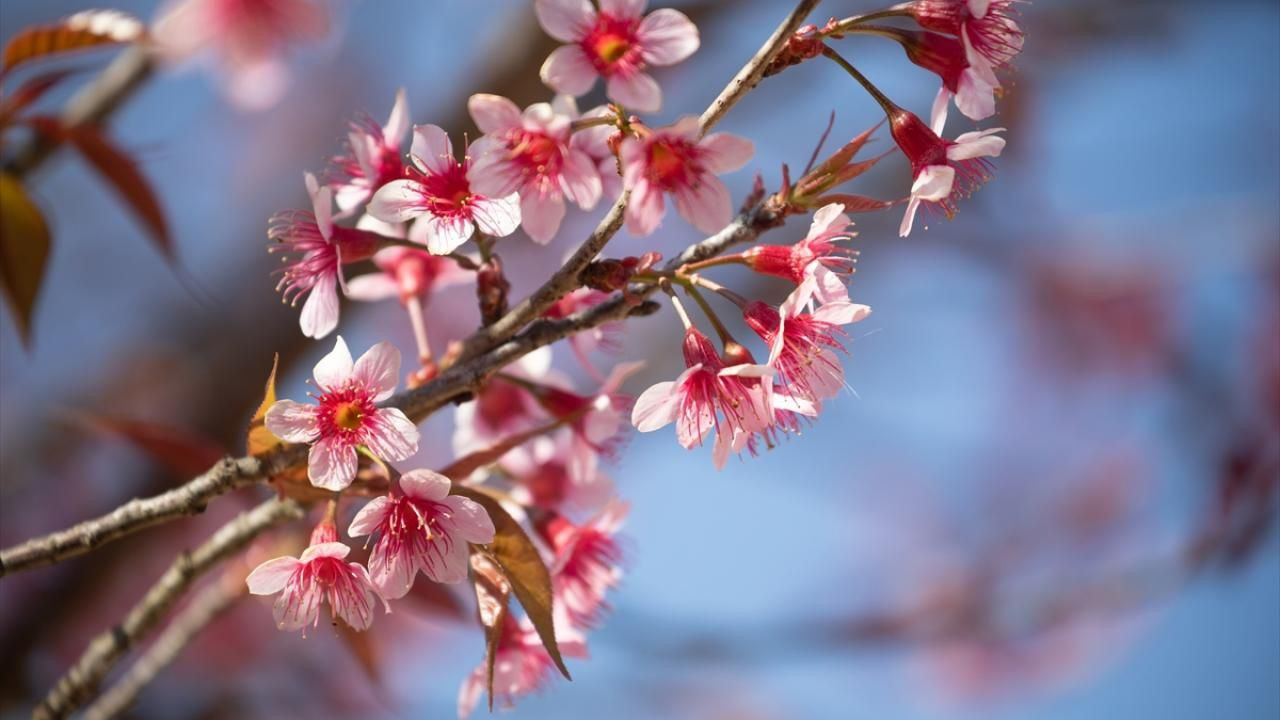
(82, 31)
(24, 251)
(855, 203)
(183, 452)
(29, 92)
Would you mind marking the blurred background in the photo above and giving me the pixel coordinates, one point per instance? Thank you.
(1050, 494)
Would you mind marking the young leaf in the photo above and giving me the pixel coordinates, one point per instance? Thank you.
(182, 452)
(28, 92)
(260, 438)
(493, 592)
(855, 203)
(523, 566)
(82, 31)
(24, 250)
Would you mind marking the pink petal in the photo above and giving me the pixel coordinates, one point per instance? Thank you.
(666, 37)
(498, 217)
(645, 210)
(320, 310)
(390, 435)
(331, 464)
(541, 216)
(336, 550)
(636, 91)
(492, 172)
(624, 9)
(707, 206)
(565, 20)
(444, 235)
(378, 369)
(909, 217)
(656, 407)
(493, 113)
(372, 287)
(938, 113)
(292, 421)
(298, 606)
(469, 520)
(841, 313)
(334, 369)
(398, 122)
(981, 143)
(726, 153)
(567, 70)
(828, 217)
(321, 205)
(450, 565)
(398, 201)
(353, 598)
(580, 180)
(271, 576)
(370, 517)
(432, 151)
(975, 97)
(391, 572)
(425, 485)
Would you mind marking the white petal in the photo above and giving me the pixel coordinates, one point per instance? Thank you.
(398, 122)
(977, 144)
(379, 370)
(636, 91)
(498, 217)
(826, 218)
(366, 521)
(444, 235)
(334, 369)
(390, 435)
(938, 113)
(398, 201)
(934, 183)
(567, 70)
(565, 20)
(271, 576)
(292, 421)
(320, 310)
(666, 37)
(493, 113)
(432, 150)
(656, 407)
(372, 287)
(425, 485)
(331, 465)
(909, 217)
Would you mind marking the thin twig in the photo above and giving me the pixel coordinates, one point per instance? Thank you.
(205, 607)
(82, 680)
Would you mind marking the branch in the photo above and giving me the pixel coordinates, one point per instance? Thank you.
(82, 680)
(205, 607)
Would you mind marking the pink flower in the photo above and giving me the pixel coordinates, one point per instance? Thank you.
(968, 79)
(422, 529)
(503, 408)
(615, 43)
(802, 345)
(346, 415)
(550, 473)
(793, 262)
(596, 141)
(321, 249)
(374, 157)
(587, 564)
(531, 154)
(583, 343)
(986, 27)
(943, 169)
(674, 160)
(306, 582)
(405, 273)
(733, 400)
(521, 666)
(438, 191)
(250, 36)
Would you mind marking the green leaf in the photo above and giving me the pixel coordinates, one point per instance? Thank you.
(24, 251)
(523, 566)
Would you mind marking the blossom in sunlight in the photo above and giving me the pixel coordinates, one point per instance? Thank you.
(830, 225)
(708, 395)
(943, 170)
(674, 160)
(587, 564)
(802, 345)
(422, 528)
(405, 273)
(531, 154)
(320, 575)
(373, 157)
(503, 408)
(346, 415)
(967, 79)
(552, 475)
(250, 39)
(319, 249)
(986, 27)
(521, 665)
(618, 43)
(439, 193)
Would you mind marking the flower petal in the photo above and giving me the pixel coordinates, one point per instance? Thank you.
(271, 576)
(567, 70)
(645, 210)
(706, 206)
(470, 520)
(334, 369)
(425, 485)
(378, 369)
(623, 9)
(726, 153)
(498, 217)
(493, 113)
(982, 143)
(370, 517)
(331, 464)
(372, 287)
(432, 151)
(656, 407)
(934, 183)
(666, 37)
(320, 311)
(541, 216)
(580, 180)
(292, 421)
(636, 90)
(565, 20)
(444, 235)
(398, 201)
(390, 435)
(398, 121)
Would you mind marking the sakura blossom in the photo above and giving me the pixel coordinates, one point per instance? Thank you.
(554, 474)
(531, 154)
(676, 160)
(521, 666)
(320, 575)
(587, 564)
(346, 416)
(373, 157)
(966, 78)
(802, 345)
(618, 43)
(439, 192)
(420, 529)
(798, 262)
(990, 35)
(404, 273)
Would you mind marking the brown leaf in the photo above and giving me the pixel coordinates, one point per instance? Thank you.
(28, 92)
(523, 566)
(462, 468)
(82, 31)
(183, 452)
(493, 593)
(260, 439)
(24, 251)
(855, 203)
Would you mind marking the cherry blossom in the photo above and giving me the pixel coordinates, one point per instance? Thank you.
(674, 160)
(553, 474)
(618, 43)
(967, 79)
(795, 262)
(587, 564)
(438, 192)
(405, 273)
(531, 154)
(802, 345)
(321, 248)
(986, 27)
(423, 528)
(346, 415)
(320, 575)
(521, 665)
(584, 343)
(504, 408)
(373, 157)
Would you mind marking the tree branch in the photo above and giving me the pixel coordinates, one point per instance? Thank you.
(82, 680)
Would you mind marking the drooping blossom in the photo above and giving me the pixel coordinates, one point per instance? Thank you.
(587, 564)
(966, 78)
(346, 415)
(943, 170)
(986, 27)
(404, 273)
(438, 192)
(617, 42)
(318, 248)
(673, 160)
(521, 665)
(802, 345)
(421, 529)
(250, 38)
(708, 395)
(320, 575)
(373, 159)
(531, 154)
(818, 249)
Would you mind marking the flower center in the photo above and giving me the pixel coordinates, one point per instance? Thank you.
(672, 163)
(611, 45)
(344, 411)
(537, 152)
(448, 193)
(347, 416)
